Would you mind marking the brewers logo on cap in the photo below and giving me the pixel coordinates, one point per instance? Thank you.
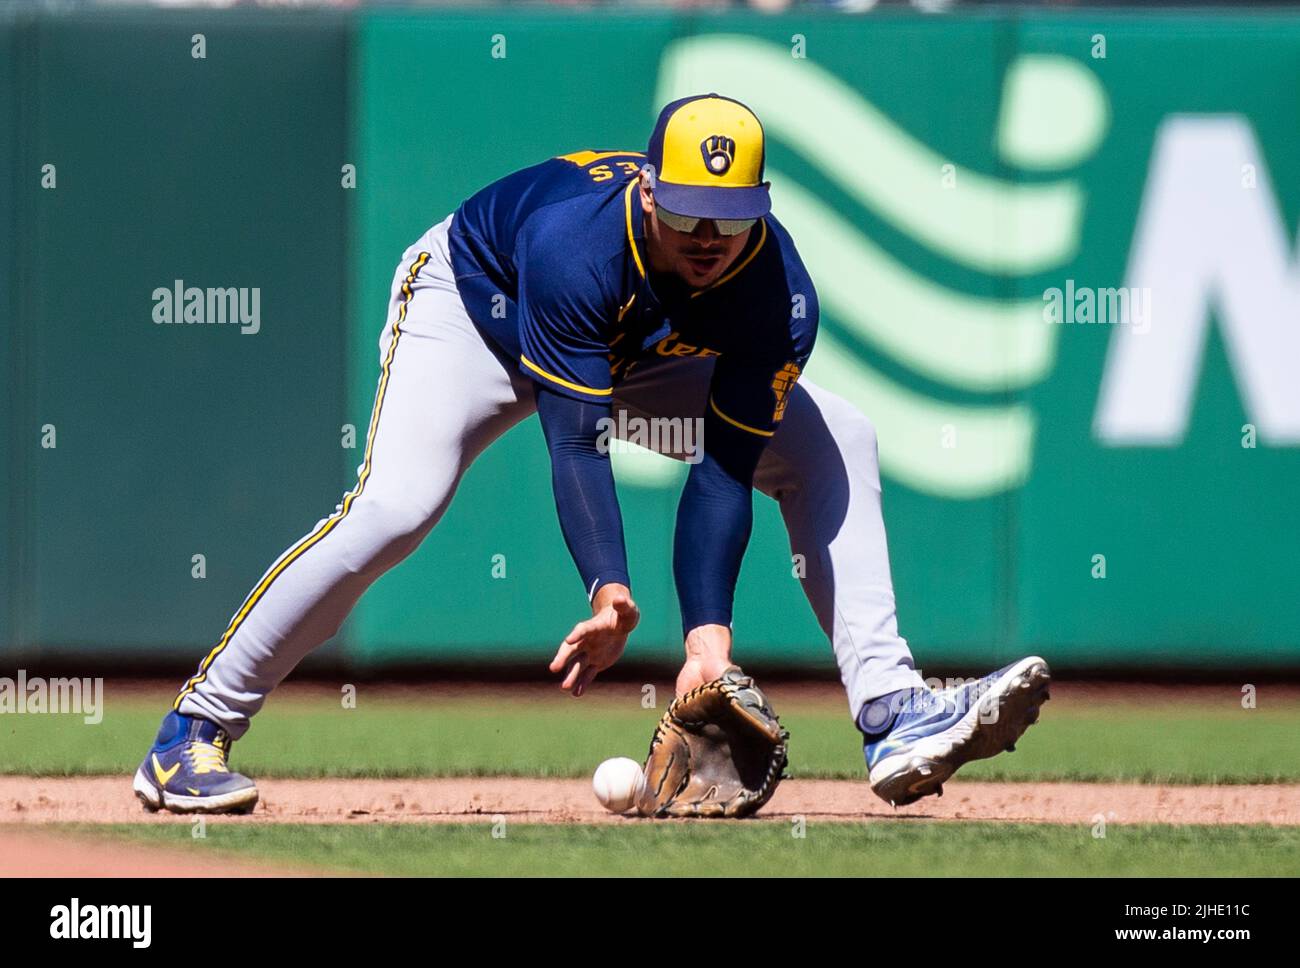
(718, 150)
(707, 152)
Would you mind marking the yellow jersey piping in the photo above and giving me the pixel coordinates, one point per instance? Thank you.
(737, 423)
(561, 381)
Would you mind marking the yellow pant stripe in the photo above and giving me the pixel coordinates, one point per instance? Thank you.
(332, 521)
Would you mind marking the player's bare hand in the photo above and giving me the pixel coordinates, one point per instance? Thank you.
(596, 644)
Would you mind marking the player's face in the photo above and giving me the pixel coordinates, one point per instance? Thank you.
(699, 257)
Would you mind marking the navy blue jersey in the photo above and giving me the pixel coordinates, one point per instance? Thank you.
(551, 264)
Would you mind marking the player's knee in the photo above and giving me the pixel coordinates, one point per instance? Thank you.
(402, 517)
(868, 432)
(854, 432)
(387, 529)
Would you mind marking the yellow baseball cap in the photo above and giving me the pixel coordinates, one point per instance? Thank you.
(707, 154)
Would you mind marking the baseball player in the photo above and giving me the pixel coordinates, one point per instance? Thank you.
(599, 285)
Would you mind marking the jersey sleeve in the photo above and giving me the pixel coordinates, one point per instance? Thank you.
(562, 319)
(583, 481)
(715, 515)
(747, 402)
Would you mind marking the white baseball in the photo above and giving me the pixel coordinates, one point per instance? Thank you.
(617, 782)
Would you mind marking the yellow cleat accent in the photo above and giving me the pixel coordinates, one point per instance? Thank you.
(163, 775)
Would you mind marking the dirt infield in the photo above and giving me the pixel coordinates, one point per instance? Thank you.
(29, 806)
(27, 800)
(29, 847)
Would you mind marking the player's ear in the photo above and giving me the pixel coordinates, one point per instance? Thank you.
(647, 179)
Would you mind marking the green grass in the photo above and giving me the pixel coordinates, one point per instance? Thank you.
(888, 848)
(308, 735)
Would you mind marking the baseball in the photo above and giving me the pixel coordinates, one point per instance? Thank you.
(617, 782)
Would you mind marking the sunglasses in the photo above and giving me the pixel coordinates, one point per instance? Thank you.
(687, 223)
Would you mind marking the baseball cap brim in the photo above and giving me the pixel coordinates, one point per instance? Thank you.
(712, 201)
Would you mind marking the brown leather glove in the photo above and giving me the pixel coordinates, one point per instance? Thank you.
(719, 751)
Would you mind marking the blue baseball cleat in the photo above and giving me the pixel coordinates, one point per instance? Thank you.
(186, 770)
(934, 733)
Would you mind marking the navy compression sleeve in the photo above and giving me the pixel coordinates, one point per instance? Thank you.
(714, 519)
(583, 481)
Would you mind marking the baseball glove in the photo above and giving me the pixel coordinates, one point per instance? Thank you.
(719, 751)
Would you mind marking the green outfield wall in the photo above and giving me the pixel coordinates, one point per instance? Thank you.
(1056, 257)
(170, 440)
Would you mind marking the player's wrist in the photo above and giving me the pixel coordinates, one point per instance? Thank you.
(708, 656)
(608, 593)
(710, 641)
